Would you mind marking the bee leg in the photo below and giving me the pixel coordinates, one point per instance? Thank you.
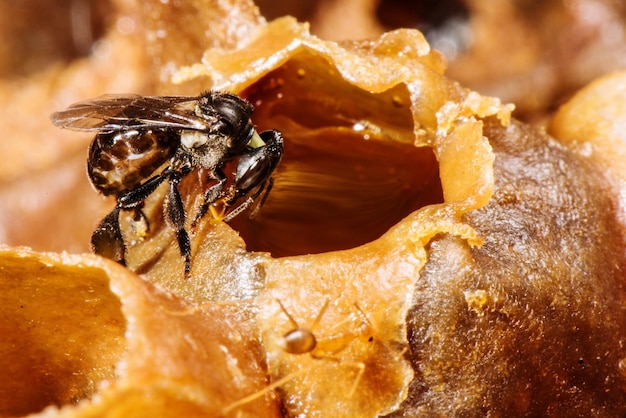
(175, 213)
(134, 198)
(107, 239)
(249, 201)
(211, 195)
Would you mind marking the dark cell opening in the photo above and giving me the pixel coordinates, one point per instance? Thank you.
(350, 170)
(327, 199)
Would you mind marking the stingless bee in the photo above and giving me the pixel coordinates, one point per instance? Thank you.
(142, 141)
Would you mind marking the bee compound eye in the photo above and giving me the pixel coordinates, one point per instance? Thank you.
(253, 169)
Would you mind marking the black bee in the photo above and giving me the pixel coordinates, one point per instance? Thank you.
(143, 141)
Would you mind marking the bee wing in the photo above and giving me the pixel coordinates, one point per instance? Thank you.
(121, 112)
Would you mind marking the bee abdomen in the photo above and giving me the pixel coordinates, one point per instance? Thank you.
(120, 161)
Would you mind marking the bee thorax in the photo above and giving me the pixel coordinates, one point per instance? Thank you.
(193, 139)
(206, 151)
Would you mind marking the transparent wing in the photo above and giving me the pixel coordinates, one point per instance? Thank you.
(129, 111)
